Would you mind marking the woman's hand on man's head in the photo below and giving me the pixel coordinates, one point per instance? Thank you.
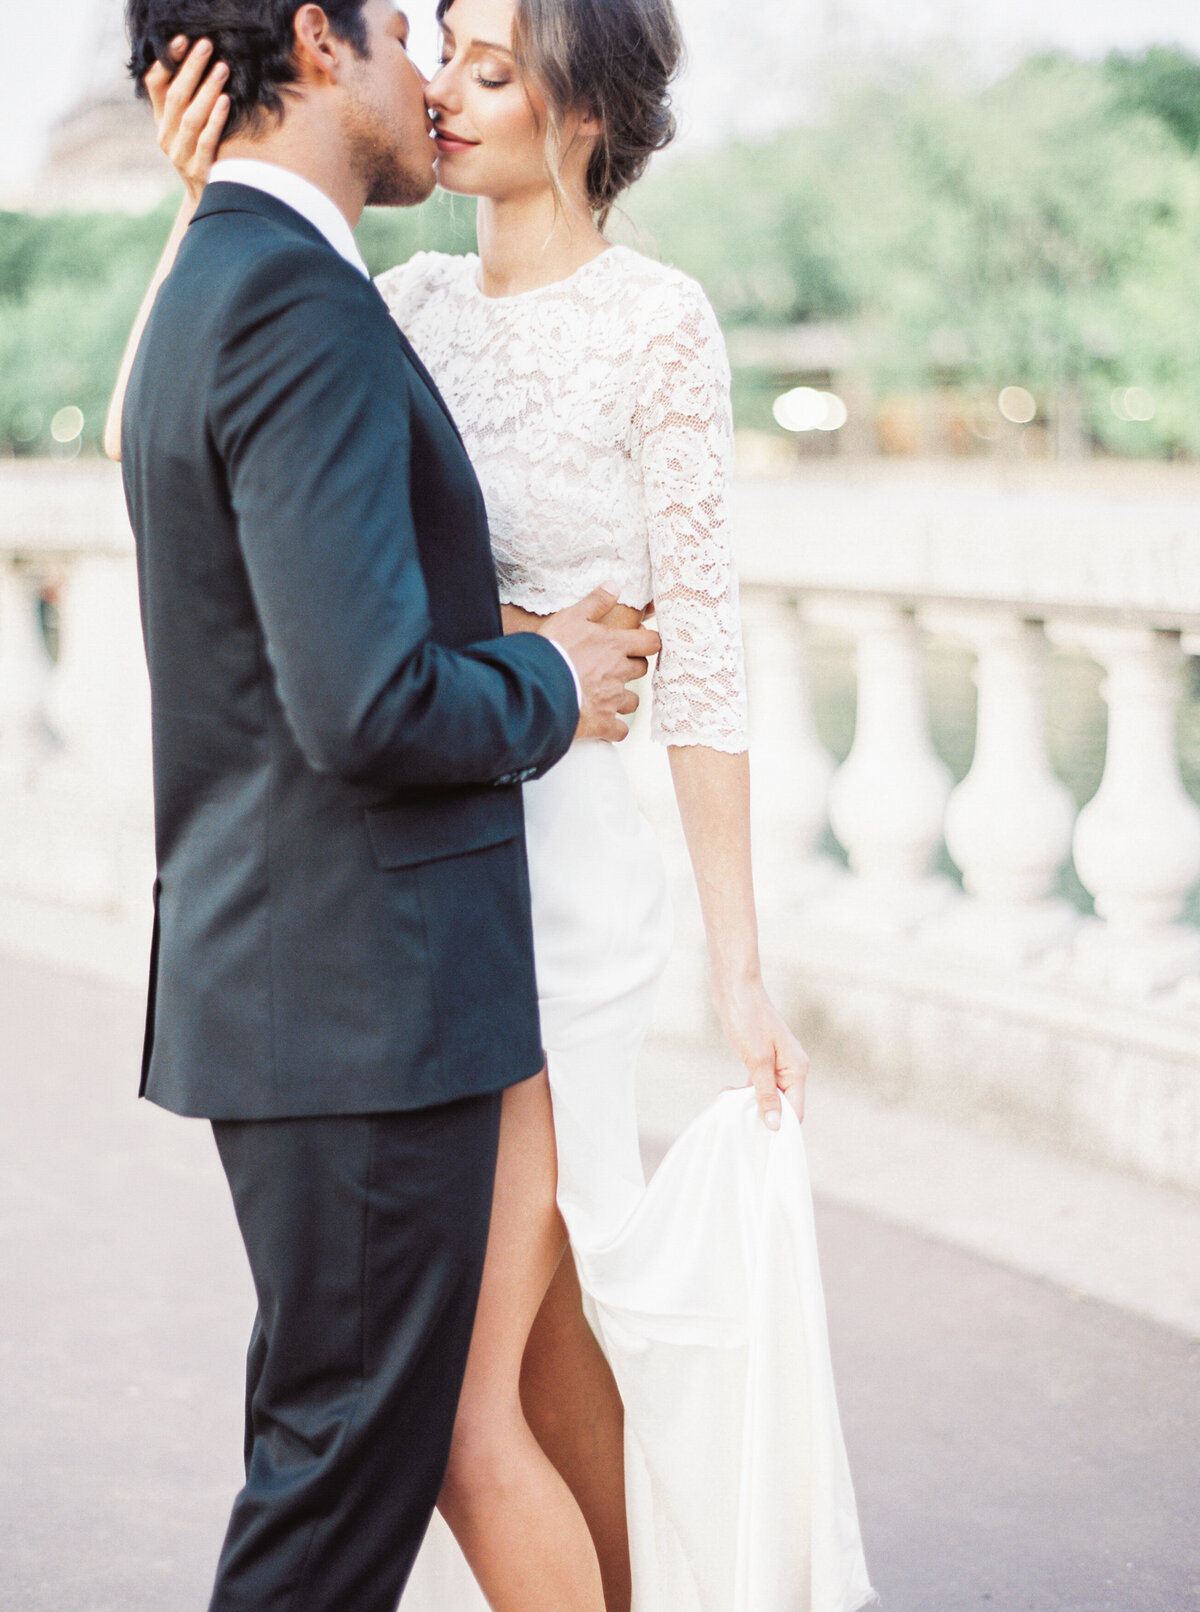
(190, 110)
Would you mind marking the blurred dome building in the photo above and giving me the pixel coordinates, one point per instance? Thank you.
(102, 156)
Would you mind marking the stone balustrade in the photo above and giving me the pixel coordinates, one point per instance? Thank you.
(1006, 578)
(75, 804)
(997, 998)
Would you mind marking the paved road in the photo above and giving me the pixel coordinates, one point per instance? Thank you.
(1016, 1449)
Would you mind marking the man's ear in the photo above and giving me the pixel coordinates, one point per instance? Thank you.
(317, 49)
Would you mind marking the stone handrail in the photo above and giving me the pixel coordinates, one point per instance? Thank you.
(1066, 552)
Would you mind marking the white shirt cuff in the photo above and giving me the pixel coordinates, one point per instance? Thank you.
(571, 668)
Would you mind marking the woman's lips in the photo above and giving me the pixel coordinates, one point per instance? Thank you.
(451, 142)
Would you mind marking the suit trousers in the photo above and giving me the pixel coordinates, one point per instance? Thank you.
(366, 1237)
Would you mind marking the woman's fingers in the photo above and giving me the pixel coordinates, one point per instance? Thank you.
(159, 79)
(210, 137)
(157, 82)
(779, 1073)
(189, 72)
(762, 1078)
(180, 90)
(791, 1073)
(191, 115)
(775, 1061)
(198, 115)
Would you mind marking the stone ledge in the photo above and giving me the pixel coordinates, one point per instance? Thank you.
(1097, 1079)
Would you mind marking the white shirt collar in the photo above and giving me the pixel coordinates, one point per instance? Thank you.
(298, 193)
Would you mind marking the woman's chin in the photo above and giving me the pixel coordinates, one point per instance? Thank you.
(446, 179)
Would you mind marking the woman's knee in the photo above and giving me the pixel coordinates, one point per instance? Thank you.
(486, 1454)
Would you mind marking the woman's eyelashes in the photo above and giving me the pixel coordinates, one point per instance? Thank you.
(478, 77)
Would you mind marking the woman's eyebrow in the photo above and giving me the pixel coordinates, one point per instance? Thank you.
(478, 44)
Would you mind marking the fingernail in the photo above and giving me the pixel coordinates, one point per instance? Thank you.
(771, 1119)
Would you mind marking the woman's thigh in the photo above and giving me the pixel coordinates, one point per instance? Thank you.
(525, 1242)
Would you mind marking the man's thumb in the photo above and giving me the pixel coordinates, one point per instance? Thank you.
(599, 602)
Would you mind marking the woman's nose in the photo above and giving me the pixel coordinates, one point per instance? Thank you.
(438, 93)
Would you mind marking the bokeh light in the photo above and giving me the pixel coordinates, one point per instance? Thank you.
(27, 425)
(67, 424)
(1017, 405)
(804, 408)
(1133, 404)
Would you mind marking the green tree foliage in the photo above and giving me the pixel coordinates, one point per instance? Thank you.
(1043, 232)
(1162, 81)
(70, 286)
(390, 235)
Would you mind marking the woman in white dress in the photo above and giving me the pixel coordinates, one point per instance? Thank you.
(650, 1421)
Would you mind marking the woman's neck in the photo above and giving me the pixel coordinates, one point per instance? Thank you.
(526, 242)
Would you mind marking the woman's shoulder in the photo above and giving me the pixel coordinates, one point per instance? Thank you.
(425, 275)
(676, 327)
(664, 298)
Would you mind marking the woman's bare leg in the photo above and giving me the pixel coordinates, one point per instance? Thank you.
(514, 1517)
(574, 1409)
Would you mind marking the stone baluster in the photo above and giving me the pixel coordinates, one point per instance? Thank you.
(1009, 822)
(1137, 841)
(887, 800)
(100, 699)
(99, 707)
(25, 669)
(791, 768)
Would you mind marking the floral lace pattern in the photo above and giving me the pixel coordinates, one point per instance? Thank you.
(596, 413)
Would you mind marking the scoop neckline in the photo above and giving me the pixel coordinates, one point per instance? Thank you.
(474, 289)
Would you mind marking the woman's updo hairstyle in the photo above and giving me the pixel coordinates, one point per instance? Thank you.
(613, 58)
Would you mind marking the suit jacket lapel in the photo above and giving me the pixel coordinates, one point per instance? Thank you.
(230, 197)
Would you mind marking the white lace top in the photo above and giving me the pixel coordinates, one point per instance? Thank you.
(596, 413)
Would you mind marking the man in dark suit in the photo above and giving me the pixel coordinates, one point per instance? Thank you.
(342, 978)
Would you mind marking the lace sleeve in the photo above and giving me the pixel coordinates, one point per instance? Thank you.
(684, 444)
(407, 286)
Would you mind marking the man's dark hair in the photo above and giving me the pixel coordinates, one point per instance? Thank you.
(254, 38)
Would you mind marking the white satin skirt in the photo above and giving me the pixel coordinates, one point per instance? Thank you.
(703, 1286)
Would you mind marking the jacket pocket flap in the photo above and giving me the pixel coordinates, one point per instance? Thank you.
(406, 834)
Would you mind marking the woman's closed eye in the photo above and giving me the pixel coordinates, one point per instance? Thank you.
(478, 76)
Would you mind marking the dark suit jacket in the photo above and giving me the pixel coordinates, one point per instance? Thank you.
(340, 729)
